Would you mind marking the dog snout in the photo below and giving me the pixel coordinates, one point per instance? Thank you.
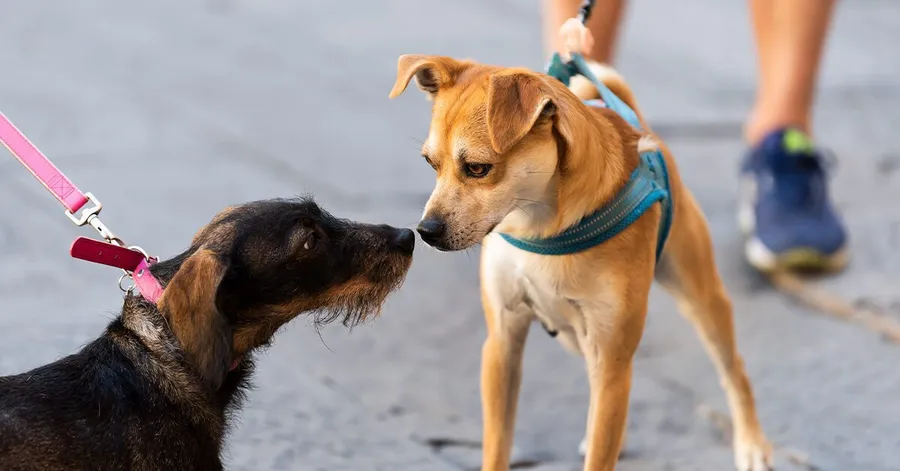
(405, 241)
(432, 230)
(396, 239)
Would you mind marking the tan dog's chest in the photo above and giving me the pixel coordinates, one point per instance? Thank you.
(525, 286)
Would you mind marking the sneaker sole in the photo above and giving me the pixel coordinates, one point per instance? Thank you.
(799, 259)
(766, 261)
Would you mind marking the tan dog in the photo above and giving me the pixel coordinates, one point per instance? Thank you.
(519, 153)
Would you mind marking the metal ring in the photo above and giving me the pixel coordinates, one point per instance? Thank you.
(128, 290)
(135, 247)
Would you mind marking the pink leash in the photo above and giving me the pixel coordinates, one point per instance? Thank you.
(132, 260)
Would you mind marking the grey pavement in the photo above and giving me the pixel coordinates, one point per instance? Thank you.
(170, 110)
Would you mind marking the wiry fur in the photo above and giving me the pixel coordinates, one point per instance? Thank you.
(156, 389)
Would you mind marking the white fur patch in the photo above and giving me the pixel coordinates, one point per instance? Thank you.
(647, 144)
(519, 284)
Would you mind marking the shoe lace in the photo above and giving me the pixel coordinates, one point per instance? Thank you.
(800, 181)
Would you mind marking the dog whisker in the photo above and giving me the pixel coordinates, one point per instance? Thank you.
(188, 356)
(542, 203)
(419, 142)
(524, 211)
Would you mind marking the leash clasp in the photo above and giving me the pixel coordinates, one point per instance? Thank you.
(91, 216)
(86, 213)
(104, 231)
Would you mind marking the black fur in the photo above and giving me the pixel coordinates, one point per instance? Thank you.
(135, 399)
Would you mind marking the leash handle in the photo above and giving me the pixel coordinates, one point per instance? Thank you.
(574, 35)
(584, 13)
(40, 166)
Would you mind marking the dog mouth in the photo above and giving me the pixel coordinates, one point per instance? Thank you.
(363, 297)
(464, 239)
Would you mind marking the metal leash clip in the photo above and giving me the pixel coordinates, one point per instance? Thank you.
(139, 272)
(91, 217)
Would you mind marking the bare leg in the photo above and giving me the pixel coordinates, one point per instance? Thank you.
(604, 25)
(790, 224)
(790, 36)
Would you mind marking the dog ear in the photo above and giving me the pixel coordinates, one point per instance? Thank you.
(516, 101)
(431, 72)
(189, 302)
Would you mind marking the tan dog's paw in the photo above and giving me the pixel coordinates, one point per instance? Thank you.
(582, 447)
(753, 455)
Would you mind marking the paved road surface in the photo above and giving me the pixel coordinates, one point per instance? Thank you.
(220, 101)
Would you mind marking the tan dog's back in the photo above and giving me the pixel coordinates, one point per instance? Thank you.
(515, 152)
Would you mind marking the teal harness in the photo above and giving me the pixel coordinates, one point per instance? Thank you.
(649, 184)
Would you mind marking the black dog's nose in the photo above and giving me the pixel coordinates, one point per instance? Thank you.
(431, 230)
(406, 241)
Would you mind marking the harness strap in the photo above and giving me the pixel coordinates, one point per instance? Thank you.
(565, 71)
(648, 184)
(645, 188)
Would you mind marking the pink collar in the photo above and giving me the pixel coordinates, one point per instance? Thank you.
(132, 260)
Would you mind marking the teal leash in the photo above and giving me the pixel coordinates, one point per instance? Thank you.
(578, 66)
(648, 184)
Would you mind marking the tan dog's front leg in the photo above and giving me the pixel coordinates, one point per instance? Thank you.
(501, 375)
(612, 339)
(610, 381)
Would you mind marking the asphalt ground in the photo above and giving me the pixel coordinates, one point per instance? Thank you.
(168, 111)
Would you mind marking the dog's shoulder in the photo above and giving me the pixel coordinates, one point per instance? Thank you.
(103, 408)
(78, 403)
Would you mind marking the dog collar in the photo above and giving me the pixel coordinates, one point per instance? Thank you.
(113, 252)
(648, 184)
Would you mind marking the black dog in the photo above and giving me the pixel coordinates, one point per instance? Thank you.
(155, 390)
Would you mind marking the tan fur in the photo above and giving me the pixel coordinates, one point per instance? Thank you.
(357, 293)
(171, 374)
(551, 168)
(188, 303)
(215, 229)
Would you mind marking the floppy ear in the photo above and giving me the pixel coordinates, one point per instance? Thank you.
(515, 103)
(189, 302)
(431, 72)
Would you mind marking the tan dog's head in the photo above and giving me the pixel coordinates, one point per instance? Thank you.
(496, 139)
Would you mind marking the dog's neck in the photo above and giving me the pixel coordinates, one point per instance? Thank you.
(176, 377)
(593, 165)
(152, 329)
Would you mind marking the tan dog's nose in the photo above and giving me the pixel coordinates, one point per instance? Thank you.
(432, 230)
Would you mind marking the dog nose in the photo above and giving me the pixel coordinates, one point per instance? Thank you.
(431, 230)
(406, 241)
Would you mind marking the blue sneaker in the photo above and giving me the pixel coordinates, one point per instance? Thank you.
(785, 210)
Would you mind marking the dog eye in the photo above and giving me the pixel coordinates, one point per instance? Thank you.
(311, 240)
(428, 159)
(477, 170)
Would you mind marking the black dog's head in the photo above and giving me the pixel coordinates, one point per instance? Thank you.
(259, 265)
